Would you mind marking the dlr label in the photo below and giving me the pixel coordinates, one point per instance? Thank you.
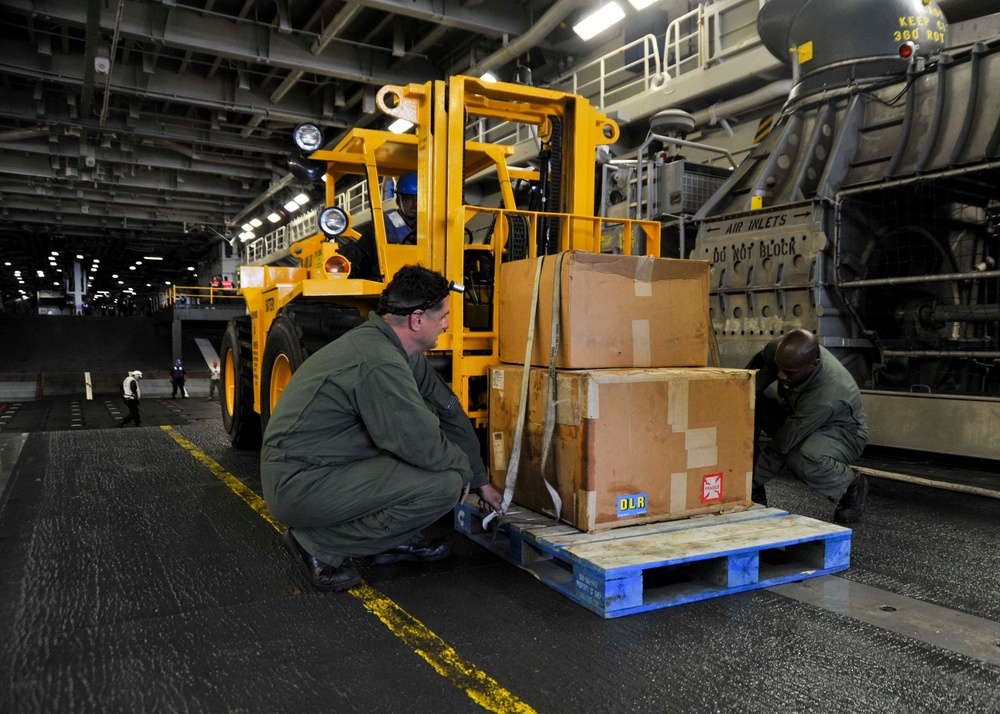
(634, 504)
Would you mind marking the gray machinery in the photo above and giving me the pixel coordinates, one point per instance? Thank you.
(871, 215)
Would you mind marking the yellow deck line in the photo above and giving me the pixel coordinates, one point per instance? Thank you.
(480, 687)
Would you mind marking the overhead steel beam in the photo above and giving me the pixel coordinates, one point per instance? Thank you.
(46, 193)
(248, 41)
(111, 215)
(21, 106)
(494, 19)
(17, 59)
(132, 154)
(138, 177)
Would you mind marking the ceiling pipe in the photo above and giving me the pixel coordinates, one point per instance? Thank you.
(529, 40)
(776, 91)
(21, 134)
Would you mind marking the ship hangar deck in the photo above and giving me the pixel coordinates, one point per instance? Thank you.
(137, 576)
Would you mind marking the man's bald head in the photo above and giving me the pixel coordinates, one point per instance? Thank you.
(797, 357)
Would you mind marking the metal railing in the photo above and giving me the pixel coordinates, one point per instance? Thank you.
(282, 238)
(197, 296)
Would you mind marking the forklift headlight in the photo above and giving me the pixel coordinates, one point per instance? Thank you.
(308, 137)
(333, 221)
(337, 265)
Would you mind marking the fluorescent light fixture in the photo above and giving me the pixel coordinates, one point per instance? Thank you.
(138, 262)
(642, 4)
(131, 267)
(274, 218)
(114, 275)
(97, 260)
(121, 282)
(7, 263)
(41, 274)
(246, 236)
(291, 206)
(79, 257)
(599, 20)
(152, 257)
(55, 253)
(488, 77)
(400, 126)
(94, 269)
(166, 282)
(191, 268)
(256, 222)
(301, 199)
(247, 227)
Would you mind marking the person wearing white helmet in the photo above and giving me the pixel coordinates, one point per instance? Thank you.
(131, 394)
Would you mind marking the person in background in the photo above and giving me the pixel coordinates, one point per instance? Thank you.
(177, 379)
(816, 422)
(401, 222)
(213, 379)
(368, 446)
(131, 395)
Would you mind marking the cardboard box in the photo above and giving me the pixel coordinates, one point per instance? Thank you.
(616, 311)
(630, 446)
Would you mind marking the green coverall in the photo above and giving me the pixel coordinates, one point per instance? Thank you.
(366, 447)
(818, 426)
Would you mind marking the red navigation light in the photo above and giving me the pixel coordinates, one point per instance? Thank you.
(907, 50)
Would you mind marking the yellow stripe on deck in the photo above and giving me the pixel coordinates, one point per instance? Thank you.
(480, 687)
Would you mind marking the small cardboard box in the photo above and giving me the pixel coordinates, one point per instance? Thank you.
(630, 445)
(615, 311)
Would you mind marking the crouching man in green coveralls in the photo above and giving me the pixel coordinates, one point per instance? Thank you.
(367, 445)
(817, 422)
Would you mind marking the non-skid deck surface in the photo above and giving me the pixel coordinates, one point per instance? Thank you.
(640, 568)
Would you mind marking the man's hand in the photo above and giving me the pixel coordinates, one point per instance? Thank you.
(489, 496)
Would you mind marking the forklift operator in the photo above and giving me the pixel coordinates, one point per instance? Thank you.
(400, 229)
(367, 445)
(817, 422)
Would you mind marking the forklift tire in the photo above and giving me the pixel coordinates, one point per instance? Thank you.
(284, 353)
(241, 422)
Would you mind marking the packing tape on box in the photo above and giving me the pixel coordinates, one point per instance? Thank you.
(677, 406)
(640, 343)
(643, 281)
(678, 490)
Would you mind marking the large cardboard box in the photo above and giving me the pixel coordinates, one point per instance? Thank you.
(615, 311)
(630, 445)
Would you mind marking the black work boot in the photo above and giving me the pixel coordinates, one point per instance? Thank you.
(758, 495)
(322, 575)
(852, 504)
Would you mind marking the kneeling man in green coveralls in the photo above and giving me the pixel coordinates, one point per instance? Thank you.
(816, 421)
(367, 445)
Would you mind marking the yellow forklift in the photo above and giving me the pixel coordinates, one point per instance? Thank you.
(531, 152)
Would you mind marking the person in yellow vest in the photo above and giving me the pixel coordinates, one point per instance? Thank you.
(131, 395)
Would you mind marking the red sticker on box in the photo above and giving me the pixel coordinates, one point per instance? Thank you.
(711, 488)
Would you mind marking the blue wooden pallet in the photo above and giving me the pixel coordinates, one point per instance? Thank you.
(638, 568)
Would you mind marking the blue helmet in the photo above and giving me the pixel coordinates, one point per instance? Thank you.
(177, 362)
(407, 184)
